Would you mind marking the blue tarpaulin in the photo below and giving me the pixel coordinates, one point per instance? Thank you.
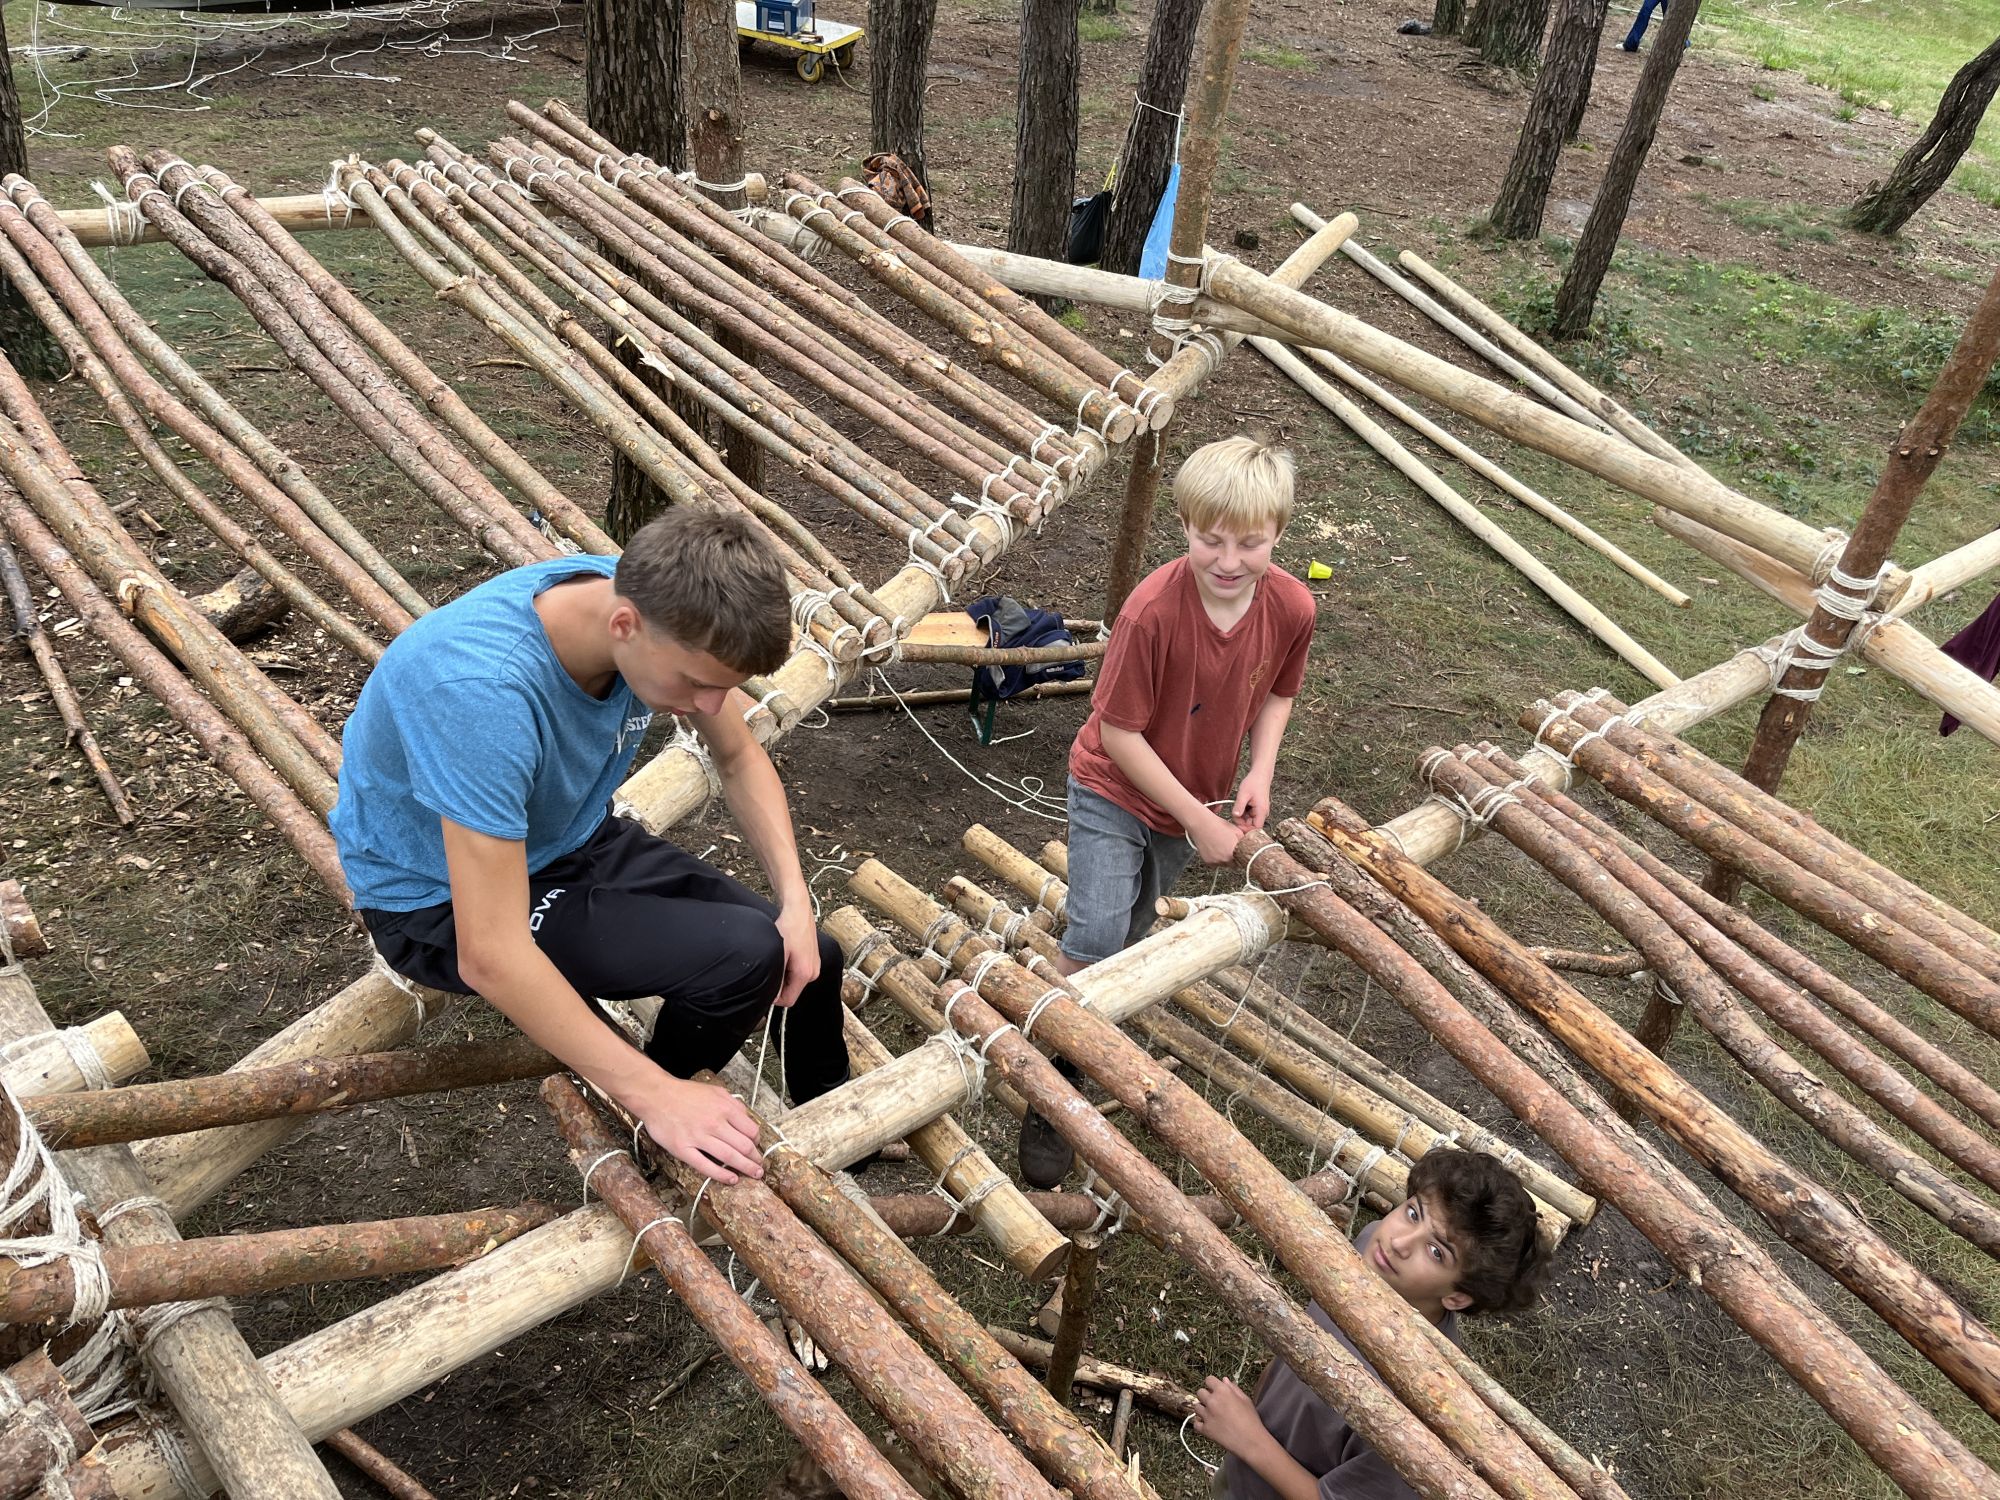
(1153, 259)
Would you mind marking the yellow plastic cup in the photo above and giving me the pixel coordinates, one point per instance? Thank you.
(1318, 570)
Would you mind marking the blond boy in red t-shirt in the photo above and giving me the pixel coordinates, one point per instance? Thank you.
(1208, 651)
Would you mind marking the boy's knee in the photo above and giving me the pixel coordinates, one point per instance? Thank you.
(749, 978)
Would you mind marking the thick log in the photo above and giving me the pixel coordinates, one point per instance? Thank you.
(1382, 1325)
(1938, 973)
(1893, 644)
(221, 434)
(1525, 421)
(23, 930)
(107, 1116)
(1079, 1299)
(242, 606)
(942, 1426)
(1421, 913)
(1067, 1452)
(94, 1055)
(1468, 515)
(43, 1429)
(799, 1401)
(1622, 894)
(244, 1265)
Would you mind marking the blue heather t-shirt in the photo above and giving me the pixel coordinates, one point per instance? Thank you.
(470, 716)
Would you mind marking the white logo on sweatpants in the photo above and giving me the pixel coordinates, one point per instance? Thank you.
(542, 908)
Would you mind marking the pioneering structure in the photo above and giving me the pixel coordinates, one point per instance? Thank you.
(681, 332)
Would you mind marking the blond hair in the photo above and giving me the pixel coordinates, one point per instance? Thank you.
(1239, 484)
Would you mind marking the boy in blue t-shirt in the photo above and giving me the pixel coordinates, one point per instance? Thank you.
(473, 823)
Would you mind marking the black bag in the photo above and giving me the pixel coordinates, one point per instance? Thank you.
(1009, 622)
(1087, 219)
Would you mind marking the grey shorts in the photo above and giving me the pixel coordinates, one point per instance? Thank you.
(1118, 867)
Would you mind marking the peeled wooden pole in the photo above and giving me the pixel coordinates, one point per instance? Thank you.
(1936, 1064)
(1618, 891)
(28, 628)
(1690, 492)
(100, 1053)
(1526, 349)
(1952, 570)
(1380, 1323)
(1156, 1391)
(1067, 1452)
(827, 1432)
(107, 1116)
(1899, 1434)
(267, 464)
(244, 1265)
(1494, 475)
(1936, 972)
(225, 744)
(1470, 517)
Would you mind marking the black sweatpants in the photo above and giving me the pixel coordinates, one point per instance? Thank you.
(629, 915)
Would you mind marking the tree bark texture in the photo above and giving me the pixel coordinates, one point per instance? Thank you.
(632, 93)
(1148, 155)
(899, 35)
(1045, 123)
(1887, 206)
(1578, 294)
(1508, 33)
(21, 335)
(1448, 17)
(1564, 79)
(1574, 127)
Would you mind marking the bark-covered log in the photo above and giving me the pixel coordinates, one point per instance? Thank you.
(1508, 33)
(1046, 108)
(1560, 87)
(1148, 154)
(1577, 295)
(899, 55)
(1885, 207)
(42, 1419)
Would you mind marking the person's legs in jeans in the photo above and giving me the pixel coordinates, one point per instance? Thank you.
(1167, 855)
(1639, 24)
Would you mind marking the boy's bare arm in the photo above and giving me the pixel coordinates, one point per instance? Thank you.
(700, 1124)
(1227, 1417)
(1214, 836)
(756, 798)
(1253, 793)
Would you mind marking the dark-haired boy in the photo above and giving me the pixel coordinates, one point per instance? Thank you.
(1464, 1241)
(473, 823)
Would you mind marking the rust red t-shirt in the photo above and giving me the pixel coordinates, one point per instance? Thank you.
(1192, 690)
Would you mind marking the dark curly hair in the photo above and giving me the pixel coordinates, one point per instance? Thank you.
(1502, 1261)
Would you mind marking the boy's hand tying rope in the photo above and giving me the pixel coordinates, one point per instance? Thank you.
(707, 1127)
(801, 938)
(1253, 802)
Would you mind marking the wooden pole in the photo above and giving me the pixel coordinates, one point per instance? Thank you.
(1525, 421)
(827, 1432)
(921, 697)
(102, 1052)
(105, 1117)
(43, 1430)
(1079, 1298)
(913, 1216)
(1805, 1215)
(244, 1265)
(1901, 1436)
(1955, 569)
(1067, 1452)
(1155, 1390)
(377, 1465)
(1850, 587)
(1470, 517)
(1381, 1323)
(25, 938)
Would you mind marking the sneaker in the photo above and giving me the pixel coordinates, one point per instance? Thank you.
(1045, 1157)
(1629, 46)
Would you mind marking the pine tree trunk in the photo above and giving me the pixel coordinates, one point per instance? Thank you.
(632, 93)
(1886, 207)
(715, 141)
(1578, 294)
(1587, 74)
(899, 32)
(1045, 124)
(1508, 33)
(1566, 70)
(1148, 157)
(22, 338)
(1448, 17)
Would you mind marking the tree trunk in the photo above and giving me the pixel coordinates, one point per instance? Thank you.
(1587, 75)
(27, 343)
(1886, 207)
(1149, 145)
(1045, 124)
(1448, 17)
(900, 34)
(632, 93)
(1508, 33)
(1577, 296)
(1565, 77)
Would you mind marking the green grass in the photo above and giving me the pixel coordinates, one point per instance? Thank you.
(1893, 54)
(1788, 223)
(1275, 55)
(1096, 26)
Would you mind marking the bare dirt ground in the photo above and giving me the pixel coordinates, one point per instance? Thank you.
(209, 934)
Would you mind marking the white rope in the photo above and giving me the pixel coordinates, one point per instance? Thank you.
(739, 185)
(686, 739)
(1047, 998)
(33, 1183)
(644, 1229)
(406, 985)
(123, 220)
(597, 1161)
(158, 1320)
(174, 1453)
